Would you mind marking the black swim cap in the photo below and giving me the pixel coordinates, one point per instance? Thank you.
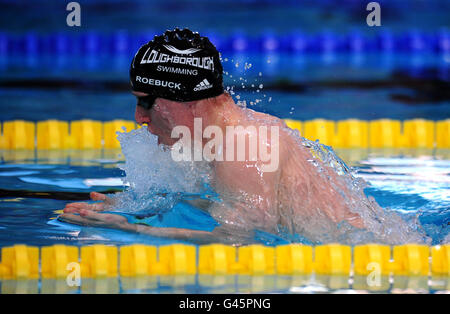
(179, 65)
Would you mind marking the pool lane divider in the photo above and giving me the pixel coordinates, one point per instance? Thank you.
(103, 261)
(123, 43)
(350, 133)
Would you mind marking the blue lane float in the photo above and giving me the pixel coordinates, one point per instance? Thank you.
(121, 42)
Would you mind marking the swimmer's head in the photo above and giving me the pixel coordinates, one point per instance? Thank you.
(179, 65)
(166, 114)
(174, 78)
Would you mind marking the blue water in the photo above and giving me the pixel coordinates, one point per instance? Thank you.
(81, 83)
(77, 80)
(396, 86)
(223, 16)
(306, 86)
(410, 183)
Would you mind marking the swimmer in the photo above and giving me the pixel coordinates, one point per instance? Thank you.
(176, 78)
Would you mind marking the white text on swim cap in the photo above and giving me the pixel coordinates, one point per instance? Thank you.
(150, 81)
(176, 70)
(154, 56)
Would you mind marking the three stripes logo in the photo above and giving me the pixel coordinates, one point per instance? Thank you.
(202, 85)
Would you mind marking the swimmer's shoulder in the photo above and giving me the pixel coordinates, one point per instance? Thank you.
(287, 142)
(265, 118)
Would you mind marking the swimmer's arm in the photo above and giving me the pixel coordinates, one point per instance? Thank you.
(94, 219)
(176, 233)
(220, 234)
(103, 202)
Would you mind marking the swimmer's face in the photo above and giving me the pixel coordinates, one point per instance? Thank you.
(163, 117)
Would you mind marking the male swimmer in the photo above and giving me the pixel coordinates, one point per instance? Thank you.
(176, 78)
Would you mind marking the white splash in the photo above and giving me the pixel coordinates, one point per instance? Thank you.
(156, 182)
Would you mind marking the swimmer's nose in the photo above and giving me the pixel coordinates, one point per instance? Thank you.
(141, 115)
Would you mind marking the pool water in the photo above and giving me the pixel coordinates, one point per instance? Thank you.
(50, 71)
(342, 85)
(35, 186)
(35, 189)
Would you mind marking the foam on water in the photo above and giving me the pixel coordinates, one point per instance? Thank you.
(156, 183)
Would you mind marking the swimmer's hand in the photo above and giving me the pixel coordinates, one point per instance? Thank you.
(85, 217)
(95, 196)
(92, 218)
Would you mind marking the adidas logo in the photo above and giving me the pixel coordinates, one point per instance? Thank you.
(202, 85)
